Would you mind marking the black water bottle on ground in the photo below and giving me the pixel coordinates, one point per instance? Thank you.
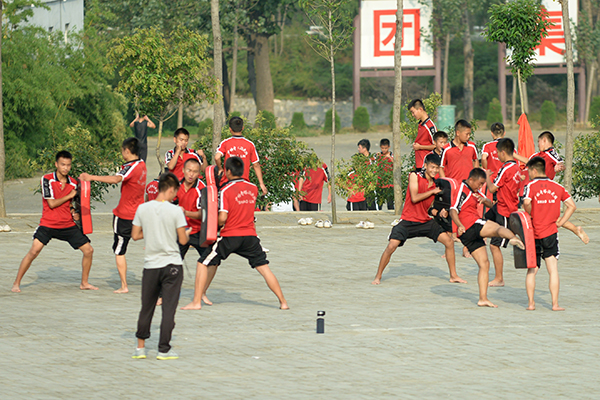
(320, 322)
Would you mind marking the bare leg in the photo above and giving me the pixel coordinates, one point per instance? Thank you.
(199, 285)
(492, 229)
(141, 343)
(212, 270)
(554, 284)
(34, 251)
(385, 259)
(480, 256)
(466, 253)
(498, 266)
(447, 241)
(122, 268)
(86, 265)
(578, 231)
(530, 287)
(273, 284)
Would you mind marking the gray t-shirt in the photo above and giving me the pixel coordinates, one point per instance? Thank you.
(159, 222)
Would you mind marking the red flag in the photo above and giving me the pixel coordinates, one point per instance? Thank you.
(526, 145)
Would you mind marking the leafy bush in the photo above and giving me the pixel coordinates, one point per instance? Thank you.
(586, 161)
(410, 127)
(494, 112)
(594, 117)
(548, 114)
(18, 162)
(205, 127)
(170, 125)
(361, 121)
(338, 123)
(298, 123)
(266, 120)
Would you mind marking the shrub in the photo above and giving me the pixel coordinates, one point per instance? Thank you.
(205, 127)
(361, 121)
(298, 123)
(586, 158)
(594, 116)
(18, 162)
(338, 124)
(548, 114)
(494, 112)
(266, 120)
(409, 127)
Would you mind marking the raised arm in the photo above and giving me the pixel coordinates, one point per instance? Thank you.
(151, 124)
(111, 179)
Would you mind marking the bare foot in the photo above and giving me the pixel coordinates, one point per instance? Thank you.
(486, 303)
(443, 256)
(15, 289)
(159, 301)
(122, 290)
(206, 300)
(284, 306)
(457, 279)
(87, 286)
(466, 253)
(192, 306)
(496, 283)
(582, 235)
(516, 242)
(531, 307)
(557, 308)
(376, 282)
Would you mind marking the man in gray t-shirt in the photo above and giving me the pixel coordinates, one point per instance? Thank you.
(161, 225)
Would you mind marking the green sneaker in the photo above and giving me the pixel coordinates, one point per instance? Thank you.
(139, 353)
(171, 355)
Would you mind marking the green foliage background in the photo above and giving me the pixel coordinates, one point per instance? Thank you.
(548, 114)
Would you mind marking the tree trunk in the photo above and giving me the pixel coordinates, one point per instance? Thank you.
(282, 27)
(180, 116)
(251, 67)
(218, 71)
(568, 177)
(521, 94)
(264, 84)
(514, 103)
(234, 63)
(468, 78)
(226, 88)
(588, 97)
(161, 160)
(398, 107)
(332, 166)
(445, 92)
(2, 152)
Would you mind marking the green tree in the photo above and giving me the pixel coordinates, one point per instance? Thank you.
(361, 121)
(548, 114)
(586, 159)
(494, 112)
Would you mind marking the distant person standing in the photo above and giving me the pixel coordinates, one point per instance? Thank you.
(140, 127)
(423, 144)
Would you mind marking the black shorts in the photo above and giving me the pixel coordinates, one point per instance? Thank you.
(195, 243)
(356, 206)
(122, 230)
(73, 235)
(500, 220)
(245, 246)
(546, 247)
(444, 223)
(306, 206)
(472, 239)
(409, 229)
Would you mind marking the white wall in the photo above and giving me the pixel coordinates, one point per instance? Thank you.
(61, 12)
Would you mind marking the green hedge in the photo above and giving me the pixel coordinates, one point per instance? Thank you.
(361, 121)
(298, 123)
(494, 112)
(548, 114)
(338, 124)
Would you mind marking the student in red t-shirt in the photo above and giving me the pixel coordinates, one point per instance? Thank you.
(177, 156)
(237, 145)
(472, 229)
(58, 189)
(238, 235)
(311, 183)
(385, 159)
(424, 142)
(489, 152)
(133, 183)
(152, 190)
(416, 221)
(542, 201)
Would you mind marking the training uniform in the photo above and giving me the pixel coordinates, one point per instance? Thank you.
(241, 147)
(552, 158)
(507, 181)
(415, 220)
(387, 165)
(458, 163)
(313, 187)
(57, 222)
(152, 190)
(190, 201)
(425, 138)
(493, 162)
(546, 197)
(356, 202)
(183, 157)
(133, 188)
(466, 205)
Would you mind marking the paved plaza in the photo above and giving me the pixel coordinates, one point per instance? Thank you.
(414, 336)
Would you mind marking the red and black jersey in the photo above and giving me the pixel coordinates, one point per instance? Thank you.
(458, 163)
(183, 157)
(240, 147)
(418, 212)
(152, 190)
(238, 200)
(552, 158)
(357, 196)
(52, 188)
(546, 196)
(493, 162)
(190, 201)
(508, 181)
(313, 184)
(467, 204)
(133, 187)
(424, 137)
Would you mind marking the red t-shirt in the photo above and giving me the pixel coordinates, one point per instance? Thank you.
(493, 162)
(545, 196)
(387, 165)
(183, 157)
(59, 217)
(357, 196)
(152, 190)
(240, 147)
(190, 201)
(417, 212)
(238, 199)
(133, 187)
(508, 181)
(424, 137)
(552, 158)
(458, 163)
(313, 184)
(467, 205)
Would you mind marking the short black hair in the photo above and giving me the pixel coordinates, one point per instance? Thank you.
(364, 143)
(236, 124)
(166, 181)
(548, 135)
(235, 165)
(506, 145)
(477, 173)
(64, 154)
(191, 160)
(497, 129)
(416, 103)
(384, 142)
(537, 163)
(180, 131)
(132, 144)
(432, 158)
(439, 134)
(462, 124)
